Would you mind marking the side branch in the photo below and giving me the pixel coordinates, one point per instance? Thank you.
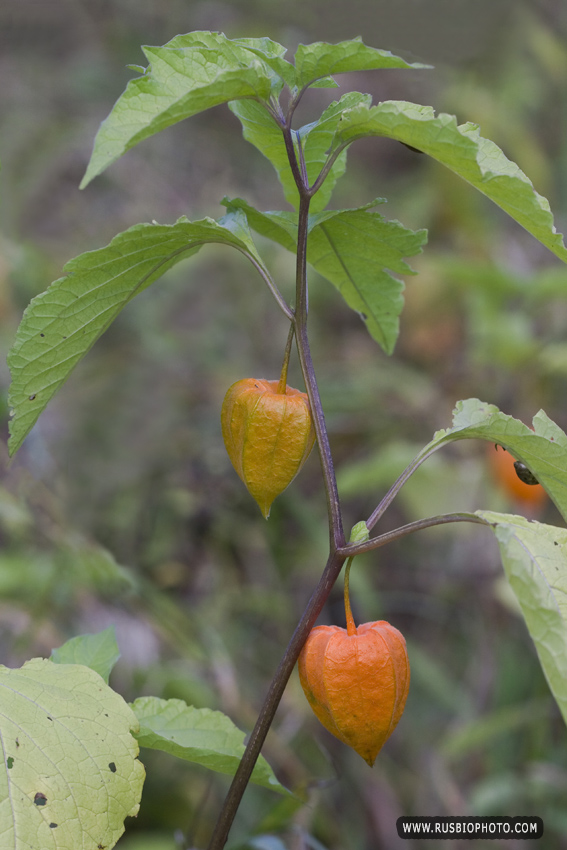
(390, 536)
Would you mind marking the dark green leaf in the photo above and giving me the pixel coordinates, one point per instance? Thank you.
(355, 250)
(464, 151)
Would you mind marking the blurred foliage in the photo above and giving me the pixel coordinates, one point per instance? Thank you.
(122, 507)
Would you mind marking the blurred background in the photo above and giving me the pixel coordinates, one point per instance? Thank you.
(122, 507)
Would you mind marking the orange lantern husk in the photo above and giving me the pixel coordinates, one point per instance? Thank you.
(268, 433)
(356, 680)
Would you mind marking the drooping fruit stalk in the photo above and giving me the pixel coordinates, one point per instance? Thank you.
(268, 433)
(356, 680)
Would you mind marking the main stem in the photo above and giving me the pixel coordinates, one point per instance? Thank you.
(272, 700)
(336, 559)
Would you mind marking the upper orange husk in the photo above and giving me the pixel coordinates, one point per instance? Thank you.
(268, 436)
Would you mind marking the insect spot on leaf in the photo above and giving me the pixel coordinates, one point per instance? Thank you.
(42, 334)
(17, 742)
(10, 762)
(112, 767)
(40, 799)
(525, 474)
(53, 826)
(31, 397)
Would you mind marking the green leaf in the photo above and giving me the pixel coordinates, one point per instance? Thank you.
(279, 226)
(261, 130)
(464, 151)
(273, 55)
(70, 773)
(61, 325)
(543, 450)
(355, 250)
(313, 61)
(199, 735)
(535, 561)
(99, 652)
(189, 74)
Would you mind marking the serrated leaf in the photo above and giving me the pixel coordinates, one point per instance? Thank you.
(314, 61)
(190, 74)
(99, 652)
(464, 151)
(61, 325)
(262, 131)
(279, 226)
(355, 250)
(70, 773)
(199, 735)
(543, 450)
(535, 561)
(273, 55)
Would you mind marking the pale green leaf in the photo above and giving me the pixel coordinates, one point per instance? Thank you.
(273, 55)
(535, 561)
(99, 652)
(189, 74)
(61, 325)
(317, 139)
(464, 151)
(70, 773)
(313, 61)
(543, 450)
(199, 735)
